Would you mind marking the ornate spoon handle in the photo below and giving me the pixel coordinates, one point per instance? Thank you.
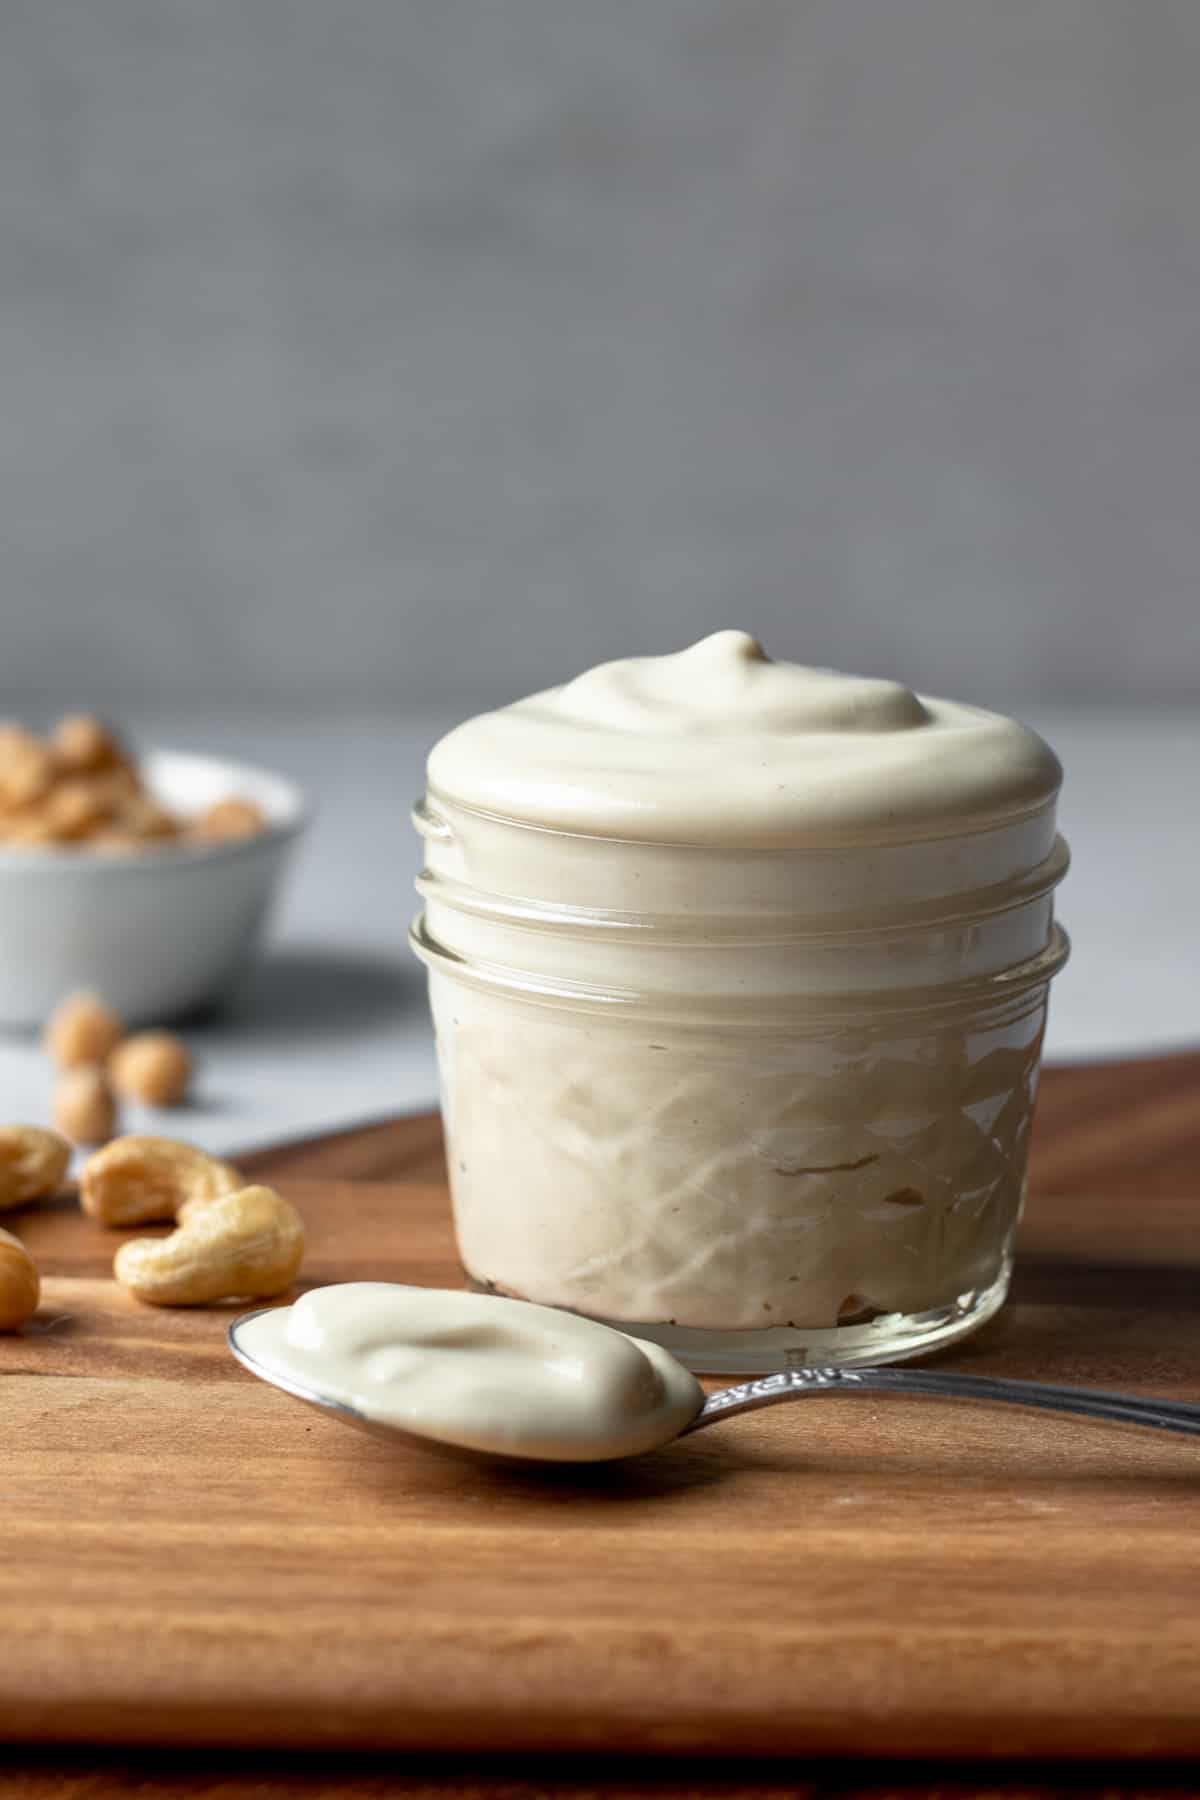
(795, 1384)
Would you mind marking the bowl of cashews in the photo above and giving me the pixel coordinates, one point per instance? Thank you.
(151, 879)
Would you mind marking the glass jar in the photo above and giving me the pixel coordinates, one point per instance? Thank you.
(776, 1115)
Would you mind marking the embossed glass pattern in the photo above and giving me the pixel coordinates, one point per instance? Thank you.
(761, 1138)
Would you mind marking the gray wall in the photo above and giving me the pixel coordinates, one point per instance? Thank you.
(394, 351)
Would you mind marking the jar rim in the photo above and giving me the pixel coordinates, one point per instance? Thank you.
(427, 822)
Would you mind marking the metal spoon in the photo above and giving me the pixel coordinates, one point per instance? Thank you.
(796, 1384)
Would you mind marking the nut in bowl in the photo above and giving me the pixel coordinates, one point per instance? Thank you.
(163, 914)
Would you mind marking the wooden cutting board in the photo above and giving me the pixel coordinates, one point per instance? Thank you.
(191, 1558)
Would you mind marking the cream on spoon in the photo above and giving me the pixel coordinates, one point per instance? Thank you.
(483, 1375)
(498, 1377)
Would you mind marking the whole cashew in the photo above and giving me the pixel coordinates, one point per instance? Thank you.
(32, 1164)
(135, 1179)
(19, 1284)
(247, 1245)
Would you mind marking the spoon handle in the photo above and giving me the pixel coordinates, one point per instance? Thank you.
(795, 1384)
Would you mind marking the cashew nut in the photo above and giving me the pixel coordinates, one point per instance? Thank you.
(247, 1245)
(32, 1164)
(26, 766)
(229, 820)
(136, 1179)
(84, 744)
(19, 1284)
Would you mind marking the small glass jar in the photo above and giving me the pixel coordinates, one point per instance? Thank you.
(776, 1115)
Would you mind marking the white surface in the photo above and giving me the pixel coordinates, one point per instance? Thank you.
(333, 1028)
(160, 931)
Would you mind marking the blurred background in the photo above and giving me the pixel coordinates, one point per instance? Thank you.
(365, 365)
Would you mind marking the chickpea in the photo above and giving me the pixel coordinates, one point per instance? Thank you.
(84, 1109)
(153, 1067)
(82, 1030)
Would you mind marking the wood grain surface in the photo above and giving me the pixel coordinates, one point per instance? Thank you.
(192, 1559)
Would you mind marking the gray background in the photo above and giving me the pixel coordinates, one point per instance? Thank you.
(390, 353)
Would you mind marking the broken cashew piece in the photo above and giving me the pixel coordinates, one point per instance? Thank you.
(33, 1163)
(136, 1179)
(248, 1245)
(19, 1283)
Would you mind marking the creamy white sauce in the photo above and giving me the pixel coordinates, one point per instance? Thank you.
(719, 744)
(722, 957)
(484, 1373)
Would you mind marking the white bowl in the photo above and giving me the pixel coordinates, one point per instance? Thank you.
(159, 933)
